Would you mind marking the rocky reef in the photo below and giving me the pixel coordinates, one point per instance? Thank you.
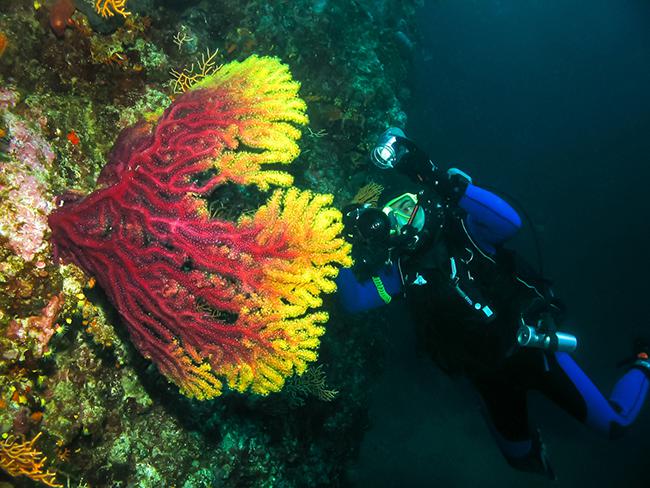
(79, 405)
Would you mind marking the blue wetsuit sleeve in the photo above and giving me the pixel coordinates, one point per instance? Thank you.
(490, 220)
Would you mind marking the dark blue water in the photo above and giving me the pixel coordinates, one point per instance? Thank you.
(550, 102)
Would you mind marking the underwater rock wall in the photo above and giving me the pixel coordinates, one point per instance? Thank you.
(69, 376)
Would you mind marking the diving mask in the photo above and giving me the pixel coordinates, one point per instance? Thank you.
(404, 210)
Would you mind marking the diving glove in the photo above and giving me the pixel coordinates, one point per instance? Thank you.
(642, 360)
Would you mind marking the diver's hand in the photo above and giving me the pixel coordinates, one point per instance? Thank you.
(394, 150)
(451, 185)
(458, 182)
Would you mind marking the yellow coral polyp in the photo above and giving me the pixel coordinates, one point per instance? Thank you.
(265, 112)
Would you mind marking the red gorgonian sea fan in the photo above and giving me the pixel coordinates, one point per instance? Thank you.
(211, 300)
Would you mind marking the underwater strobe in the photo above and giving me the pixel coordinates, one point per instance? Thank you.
(549, 340)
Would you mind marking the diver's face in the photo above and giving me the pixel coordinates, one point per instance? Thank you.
(404, 208)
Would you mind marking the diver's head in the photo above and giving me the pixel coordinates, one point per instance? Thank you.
(404, 210)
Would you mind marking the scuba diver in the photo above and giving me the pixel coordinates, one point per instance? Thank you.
(480, 310)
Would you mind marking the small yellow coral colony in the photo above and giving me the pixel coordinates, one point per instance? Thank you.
(186, 78)
(108, 8)
(369, 194)
(20, 458)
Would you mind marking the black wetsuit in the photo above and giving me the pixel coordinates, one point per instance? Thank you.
(463, 340)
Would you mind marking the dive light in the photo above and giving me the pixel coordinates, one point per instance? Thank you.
(388, 150)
